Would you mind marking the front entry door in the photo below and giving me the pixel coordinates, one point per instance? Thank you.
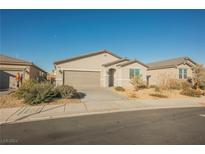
(111, 77)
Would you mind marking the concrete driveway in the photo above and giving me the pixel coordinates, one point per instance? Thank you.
(100, 94)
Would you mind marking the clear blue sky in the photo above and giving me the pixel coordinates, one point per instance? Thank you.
(45, 36)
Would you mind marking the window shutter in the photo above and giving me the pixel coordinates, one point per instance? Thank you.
(131, 73)
(185, 73)
(180, 73)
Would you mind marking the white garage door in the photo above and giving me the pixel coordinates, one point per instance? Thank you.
(82, 78)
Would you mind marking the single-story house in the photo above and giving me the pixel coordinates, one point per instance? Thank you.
(179, 68)
(9, 67)
(106, 69)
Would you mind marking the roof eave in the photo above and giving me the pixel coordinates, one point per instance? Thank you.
(132, 62)
(115, 63)
(23, 64)
(162, 67)
(87, 55)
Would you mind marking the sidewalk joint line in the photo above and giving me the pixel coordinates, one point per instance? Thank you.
(85, 106)
(13, 113)
(22, 110)
(65, 106)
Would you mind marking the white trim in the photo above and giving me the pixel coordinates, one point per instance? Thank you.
(88, 70)
(123, 79)
(133, 67)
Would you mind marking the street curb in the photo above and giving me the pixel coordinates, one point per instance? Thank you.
(97, 113)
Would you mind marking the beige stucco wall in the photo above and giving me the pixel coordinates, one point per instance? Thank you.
(117, 74)
(124, 74)
(189, 70)
(35, 72)
(92, 63)
(3, 66)
(158, 76)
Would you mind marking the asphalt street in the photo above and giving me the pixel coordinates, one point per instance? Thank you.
(158, 126)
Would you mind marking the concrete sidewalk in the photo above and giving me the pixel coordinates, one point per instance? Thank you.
(33, 113)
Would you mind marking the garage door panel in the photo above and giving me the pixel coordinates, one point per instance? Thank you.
(82, 78)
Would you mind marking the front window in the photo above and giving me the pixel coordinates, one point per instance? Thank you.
(182, 73)
(134, 72)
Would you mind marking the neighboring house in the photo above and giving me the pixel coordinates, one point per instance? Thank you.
(178, 68)
(9, 67)
(51, 77)
(106, 69)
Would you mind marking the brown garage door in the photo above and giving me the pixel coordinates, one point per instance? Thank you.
(82, 78)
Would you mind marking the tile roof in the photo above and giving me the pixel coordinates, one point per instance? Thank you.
(115, 62)
(7, 59)
(170, 63)
(131, 62)
(14, 61)
(86, 55)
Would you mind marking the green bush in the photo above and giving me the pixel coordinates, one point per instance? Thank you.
(66, 92)
(35, 93)
(119, 88)
(191, 92)
(25, 88)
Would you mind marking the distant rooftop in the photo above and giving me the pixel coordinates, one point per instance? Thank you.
(8, 59)
(4, 59)
(169, 63)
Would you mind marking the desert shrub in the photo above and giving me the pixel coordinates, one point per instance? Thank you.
(202, 86)
(199, 76)
(143, 86)
(35, 93)
(153, 86)
(137, 82)
(173, 84)
(158, 92)
(157, 89)
(132, 95)
(169, 84)
(164, 79)
(65, 91)
(185, 85)
(24, 88)
(118, 88)
(191, 92)
(158, 95)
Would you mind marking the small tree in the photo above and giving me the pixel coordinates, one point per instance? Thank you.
(199, 76)
(137, 82)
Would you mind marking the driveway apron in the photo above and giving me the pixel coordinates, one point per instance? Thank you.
(99, 95)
